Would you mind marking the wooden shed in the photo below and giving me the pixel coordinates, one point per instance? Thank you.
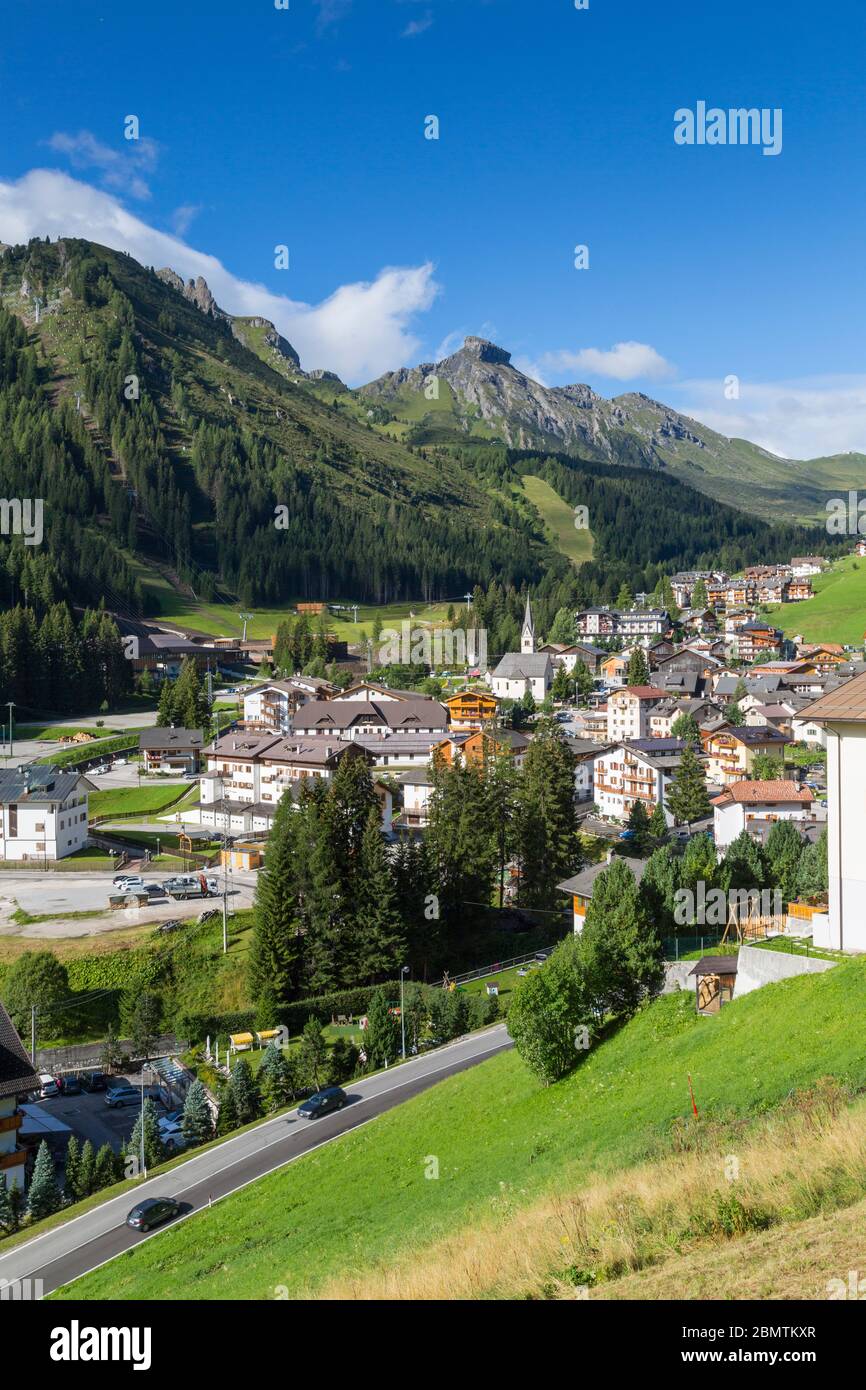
(715, 978)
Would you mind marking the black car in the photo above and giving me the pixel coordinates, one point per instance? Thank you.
(323, 1102)
(94, 1080)
(152, 1212)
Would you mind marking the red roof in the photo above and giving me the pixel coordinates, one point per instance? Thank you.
(643, 692)
(750, 793)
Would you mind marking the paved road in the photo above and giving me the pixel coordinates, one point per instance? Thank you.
(90, 1240)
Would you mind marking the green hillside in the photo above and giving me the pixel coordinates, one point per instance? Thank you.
(361, 1206)
(837, 613)
(558, 516)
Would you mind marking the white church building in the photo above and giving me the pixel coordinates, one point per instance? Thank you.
(843, 714)
(523, 671)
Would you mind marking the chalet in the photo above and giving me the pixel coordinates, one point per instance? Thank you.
(796, 590)
(596, 622)
(843, 714)
(731, 752)
(415, 789)
(644, 623)
(476, 745)
(349, 719)
(628, 711)
(372, 690)
(640, 770)
(826, 657)
(17, 1077)
(757, 639)
(470, 709)
(777, 716)
(802, 566)
(591, 724)
(742, 803)
(735, 618)
(699, 620)
(171, 749)
(43, 812)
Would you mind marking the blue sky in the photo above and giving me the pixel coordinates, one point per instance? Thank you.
(305, 127)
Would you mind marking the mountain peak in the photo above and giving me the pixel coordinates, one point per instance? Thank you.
(484, 351)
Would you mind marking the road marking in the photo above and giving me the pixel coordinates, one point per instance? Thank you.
(197, 1211)
(194, 1158)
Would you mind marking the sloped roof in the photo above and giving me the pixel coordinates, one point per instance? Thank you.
(16, 1069)
(757, 793)
(847, 704)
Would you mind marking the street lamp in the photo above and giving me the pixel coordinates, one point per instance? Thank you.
(403, 973)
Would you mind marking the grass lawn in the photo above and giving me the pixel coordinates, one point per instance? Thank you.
(836, 613)
(501, 1140)
(145, 801)
(558, 517)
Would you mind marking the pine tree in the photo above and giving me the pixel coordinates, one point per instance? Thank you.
(658, 826)
(638, 823)
(381, 1040)
(108, 1169)
(313, 1054)
(197, 1123)
(44, 1197)
(546, 842)
(72, 1170)
(227, 1115)
(744, 865)
(380, 946)
(699, 595)
(638, 670)
(276, 953)
(619, 946)
(154, 1151)
(244, 1092)
(784, 852)
(688, 799)
(86, 1170)
(7, 1215)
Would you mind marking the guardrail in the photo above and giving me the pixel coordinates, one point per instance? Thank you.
(501, 965)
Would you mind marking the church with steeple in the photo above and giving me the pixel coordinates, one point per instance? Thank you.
(527, 636)
(523, 672)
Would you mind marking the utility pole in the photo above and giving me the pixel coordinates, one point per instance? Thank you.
(33, 1034)
(11, 704)
(468, 598)
(225, 890)
(247, 617)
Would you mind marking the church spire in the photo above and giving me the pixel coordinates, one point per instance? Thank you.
(527, 636)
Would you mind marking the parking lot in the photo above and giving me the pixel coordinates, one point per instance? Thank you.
(89, 1117)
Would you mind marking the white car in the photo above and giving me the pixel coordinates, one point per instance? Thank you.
(48, 1086)
(100, 771)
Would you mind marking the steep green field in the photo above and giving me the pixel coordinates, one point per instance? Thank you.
(558, 517)
(500, 1141)
(837, 613)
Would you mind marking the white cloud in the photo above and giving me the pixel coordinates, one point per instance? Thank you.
(417, 26)
(530, 368)
(806, 418)
(183, 217)
(359, 331)
(121, 169)
(622, 362)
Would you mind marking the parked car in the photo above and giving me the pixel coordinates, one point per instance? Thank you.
(70, 1085)
(48, 1086)
(323, 1102)
(170, 1118)
(626, 835)
(94, 1081)
(173, 1139)
(154, 890)
(173, 925)
(128, 881)
(152, 1212)
(98, 771)
(118, 1096)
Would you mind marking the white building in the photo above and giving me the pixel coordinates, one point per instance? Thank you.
(628, 711)
(637, 771)
(843, 715)
(807, 731)
(741, 803)
(804, 565)
(43, 813)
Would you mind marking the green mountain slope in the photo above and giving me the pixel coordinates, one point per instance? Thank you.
(365, 1205)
